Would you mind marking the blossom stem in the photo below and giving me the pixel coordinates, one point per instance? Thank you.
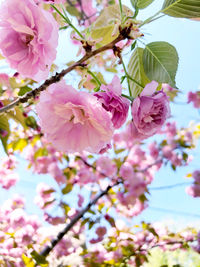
(152, 18)
(133, 80)
(68, 21)
(127, 96)
(58, 76)
(121, 10)
(95, 77)
(129, 87)
(45, 252)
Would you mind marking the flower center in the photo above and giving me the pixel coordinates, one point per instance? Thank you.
(27, 38)
(148, 119)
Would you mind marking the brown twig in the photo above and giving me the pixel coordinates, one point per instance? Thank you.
(58, 76)
(45, 252)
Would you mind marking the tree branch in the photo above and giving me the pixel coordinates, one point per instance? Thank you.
(58, 76)
(55, 241)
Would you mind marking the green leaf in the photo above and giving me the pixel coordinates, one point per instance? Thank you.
(91, 224)
(67, 189)
(40, 260)
(182, 8)
(103, 27)
(133, 45)
(4, 126)
(141, 3)
(31, 122)
(66, 208)
(160, 60)
(23, 90)
(41, 152)
(136, 71)
(18, 116)
(28, 261)
(19, 144)
(72, 11)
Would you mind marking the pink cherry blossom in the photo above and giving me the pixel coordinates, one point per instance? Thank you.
(44, 198)
(194, 98)
(86, 6)
(196, 176)
(74, 121)
(112, 101)
(193, 190)
(106, 166)
(126, 171)
(49, 1)
(57, 173)
(154, 150)
(29, 37)
(149, 111)
(101, 231)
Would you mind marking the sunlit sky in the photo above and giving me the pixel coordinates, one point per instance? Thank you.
(185, 36)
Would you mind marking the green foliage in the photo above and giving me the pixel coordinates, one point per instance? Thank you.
(136, 71)
(178, 258)
(160, 61)
(141, 3)
(67, 189)
(18, 116)
(18, 145)
(40, 260)
(42, 151)
(4, 126)
(103, 29)
(31, 122)
(28, 261)
(23, 90)
(182, 8)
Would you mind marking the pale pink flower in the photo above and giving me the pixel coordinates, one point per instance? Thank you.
(149, 111)
(170, 129)
(196, 176)
(194, 98)
(4, 80)
(74, 121)
(29, 37)
(80, 200)
(101, 231)
(193, 190)
(57, 173)
(112, 101)
(85, 176)
(88, 9)
(126, 171)
(49, 1)
(154, 150)
(106, 166)
(8, 178)
(44, 198)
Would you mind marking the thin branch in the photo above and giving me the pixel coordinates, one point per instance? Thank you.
(58, 76)
(45, 252)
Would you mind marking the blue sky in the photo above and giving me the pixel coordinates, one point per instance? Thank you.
(185, 36)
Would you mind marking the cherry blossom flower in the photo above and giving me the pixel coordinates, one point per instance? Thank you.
(112, 101)
(74, 121)
(149, 112)
(29, 37)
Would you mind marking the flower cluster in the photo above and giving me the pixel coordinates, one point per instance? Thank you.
(29, 36)
(194, 98)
